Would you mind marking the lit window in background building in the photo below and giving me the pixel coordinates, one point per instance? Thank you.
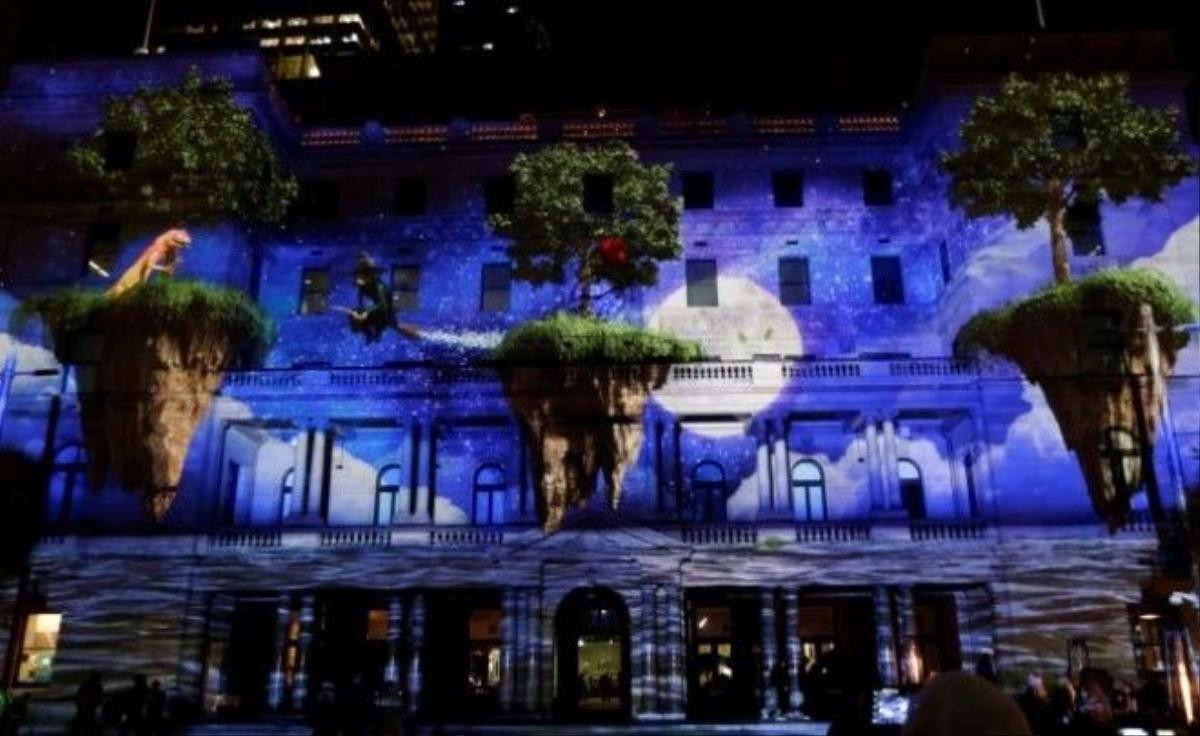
(350, 38)
(268, 42)
(38, 647)
(298, 21)
(271, 22)
(320, 41)
(350, 18)
(193, 30)
(322, 20)
(294, 41)
(250, 25)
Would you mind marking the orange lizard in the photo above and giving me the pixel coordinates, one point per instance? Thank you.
(161, 255)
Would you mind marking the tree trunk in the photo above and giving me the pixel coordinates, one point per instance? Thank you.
(585, 285)
(1058, 233)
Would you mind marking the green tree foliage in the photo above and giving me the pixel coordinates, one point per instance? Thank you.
(555, 239)
(1044, 143)
(567, 338)
(196, 154)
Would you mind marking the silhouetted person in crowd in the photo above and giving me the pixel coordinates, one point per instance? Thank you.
(957, 703)
(14, 710)
(1093, 703)
(1035, 704)
(1153, 702)
(156, 707)
(89, 697)
(133, 708)
(325, 715)
(985, 667)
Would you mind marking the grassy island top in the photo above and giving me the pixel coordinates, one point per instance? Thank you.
(567, 338)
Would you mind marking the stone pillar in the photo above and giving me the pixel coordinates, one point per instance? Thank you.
(416, 643)
(544, 632)
(283, 614)
(874, 478)
(509, 645)
(762, 472)
(529, 652)
(770, 643)
(890, 455)
(391, 671)
(642, 656)
(307, 619)
(906, 623)
(783, 471)
(677, 681)
(791, 639)
(885, 638)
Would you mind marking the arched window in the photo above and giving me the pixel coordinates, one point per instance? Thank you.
(387, 490)
(912, 488)
(708, 492)
(491, 482)
(808, 491)
(287, 487)
(66, 481)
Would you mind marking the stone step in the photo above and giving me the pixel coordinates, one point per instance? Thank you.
(297, 727)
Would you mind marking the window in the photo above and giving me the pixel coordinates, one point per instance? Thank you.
(67, 478)
(701, 283)
(808, 491)
(877, 187)
(708, 492)
(411, 194)
(39, 644)
(944, 261)
(912, 489)
(499, 194)
(794, 286)
(387, 490)
(697, 190)
(287, 489)
(887, 280)
(788, 188)
(598, 194)
(1082, 223)
(314, 291)
(483, 669)
(377, 624)
(972, 493)
(497, 287)
(714, 648)
(319, 199)
(101, 246)
(119, 149)
(491, 482)
(406, 288)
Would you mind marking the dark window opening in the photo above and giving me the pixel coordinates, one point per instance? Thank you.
(887, 280)
(838, 653)
(499, 194)
(463, 680)
(794, 287)
(697, 190)
(1082, 223)
(319, 200)
(877, 187)
(598, 194)
(411, 194)
(709, 492)
(701, 283)
(387, 493)
(808, 491)
(944, 261)
(119, 150)
(102, 246)
(912, 489)
(497, 287)
(406, 288)
(725, 644)
(788, 188)
(287, 491)
(314, 291)
(937, 633)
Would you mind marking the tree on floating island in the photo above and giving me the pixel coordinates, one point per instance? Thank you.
(598, 222)
(1039, 148)
(152, 351)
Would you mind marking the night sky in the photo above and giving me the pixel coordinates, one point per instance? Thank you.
(743, 55)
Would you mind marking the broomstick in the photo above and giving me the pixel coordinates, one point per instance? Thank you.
(404, 328)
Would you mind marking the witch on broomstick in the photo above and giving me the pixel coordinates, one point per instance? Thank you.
(375, 313)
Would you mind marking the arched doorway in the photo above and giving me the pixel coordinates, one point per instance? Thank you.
(592, 646)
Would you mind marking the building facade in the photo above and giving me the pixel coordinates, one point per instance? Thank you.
(828, 506)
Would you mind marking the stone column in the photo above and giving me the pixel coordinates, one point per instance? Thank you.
(783, 471)
(791, 638)
(307, 619)
(906, 622)
(885, 637)
(677, 681)
(770, 644)
(283, 615)
(762, 473)
(891, 481)
(416, 643)
(643, 654)
(509, 644)
(391, 671)
(874, 478)
(529, 650)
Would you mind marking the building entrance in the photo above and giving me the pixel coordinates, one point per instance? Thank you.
(592, 676)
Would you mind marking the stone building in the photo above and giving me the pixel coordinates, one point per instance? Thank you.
(829, 507)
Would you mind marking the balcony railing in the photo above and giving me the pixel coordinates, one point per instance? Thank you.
(722, 535)
(922, 531)
(685, 376)
(833, 531)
